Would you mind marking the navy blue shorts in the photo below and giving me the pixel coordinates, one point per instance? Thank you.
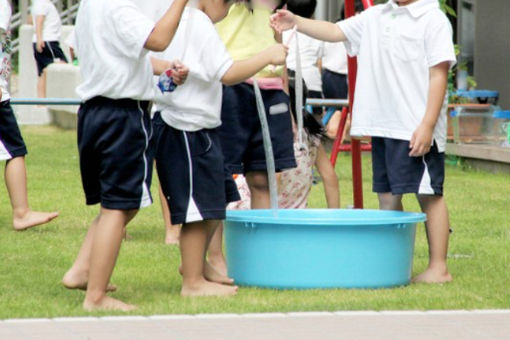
(396, 172)
(241, 133)
(50, 54)
(192, 173)
(115, 152)
(334, 85)
(11, 142)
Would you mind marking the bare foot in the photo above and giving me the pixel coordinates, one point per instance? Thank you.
(32, 219)
(108, 303)
(206, 288)
(74, 280)
(213, 275)
(172, 235)
(433, 276)
(219, 264)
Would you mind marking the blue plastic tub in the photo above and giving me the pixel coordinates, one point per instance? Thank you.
(320, 248)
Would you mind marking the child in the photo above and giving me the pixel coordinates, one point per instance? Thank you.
(114, 129)
(245, 33)
(296, 184)
(189, 160)
(47, 31)
(310, 51)
(404, 50)
(12, 146)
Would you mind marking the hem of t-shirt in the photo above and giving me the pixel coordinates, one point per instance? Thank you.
(441, 59)
(267, 83)
(188, 126)
(5, 96)
(351, 51)
(401, 135)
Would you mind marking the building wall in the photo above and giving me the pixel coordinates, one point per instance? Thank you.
(492, 48)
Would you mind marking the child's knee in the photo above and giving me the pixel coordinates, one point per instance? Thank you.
(388, 201)
(257, 181)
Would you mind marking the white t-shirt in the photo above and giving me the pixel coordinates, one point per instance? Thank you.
(310, 51)
(52, 25)
(335, 57)
(5, 47)
(196, 104)
(110, 39)
(396, 46)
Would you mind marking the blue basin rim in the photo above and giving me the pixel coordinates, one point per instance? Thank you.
(325, 216)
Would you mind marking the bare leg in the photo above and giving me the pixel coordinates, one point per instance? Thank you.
(194, 242)
(106, 240)
(438, 231)
(259, 189)
(388, 201)
(215, 252)
(41, 85)
(329, 178)
(77, 276)
(16, 182)
(172, 230)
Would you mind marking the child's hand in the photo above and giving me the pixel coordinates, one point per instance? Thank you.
(278, 54)
(282, 20)
(181, 72)
(39, 46)
(421, 141)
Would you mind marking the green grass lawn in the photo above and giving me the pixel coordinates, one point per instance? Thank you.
(33, 262)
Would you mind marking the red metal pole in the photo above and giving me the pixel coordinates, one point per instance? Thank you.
(357, 180)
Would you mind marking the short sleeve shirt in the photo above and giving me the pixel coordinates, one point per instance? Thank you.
(5, 48)
(396, 47)
(52, 26)
(196, 104)
(113, 60)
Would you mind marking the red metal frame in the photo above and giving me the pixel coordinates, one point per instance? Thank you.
(357, 181)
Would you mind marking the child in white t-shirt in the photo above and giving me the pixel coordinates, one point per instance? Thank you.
(47, 31)
(404, 50)
(12, 146)
(114, 130)
(189, 158)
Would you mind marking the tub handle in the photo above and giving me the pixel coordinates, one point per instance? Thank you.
(249, 225)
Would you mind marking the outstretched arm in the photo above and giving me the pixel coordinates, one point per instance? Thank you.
(165, 28)
(422, 137)
(284, 20)
(244, 69)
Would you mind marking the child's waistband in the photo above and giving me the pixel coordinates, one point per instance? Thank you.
(121, 102)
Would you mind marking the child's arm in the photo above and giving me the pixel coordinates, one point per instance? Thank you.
(39, 24)
(422, 137)
(244, 69)
(180, 70)
(329, 178)
(284, 20)
(165, 28)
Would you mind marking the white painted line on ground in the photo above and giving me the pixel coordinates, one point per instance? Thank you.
(217, 316)
(76, 319)
(309, 314)
(356, 313)
(261, 315)
(171, 317)
(123, 318)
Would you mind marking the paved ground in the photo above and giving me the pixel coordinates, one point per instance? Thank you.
(440, 325)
